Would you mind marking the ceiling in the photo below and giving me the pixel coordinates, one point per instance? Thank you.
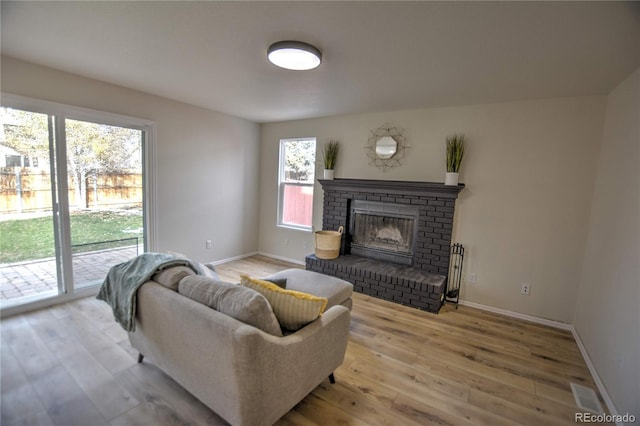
(377, 56)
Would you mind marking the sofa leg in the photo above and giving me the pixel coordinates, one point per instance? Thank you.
(140, 358)
(332, 379)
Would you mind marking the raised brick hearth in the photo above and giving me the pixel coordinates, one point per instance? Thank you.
(421, 284)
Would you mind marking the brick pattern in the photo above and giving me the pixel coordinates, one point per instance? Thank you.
(435, 224)
(39, 277)
(436, 204)
(393, 282)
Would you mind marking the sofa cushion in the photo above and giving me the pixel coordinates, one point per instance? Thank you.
(170, 277)
(337, 291)
(294, 309)
(243, 304)
(280, 282)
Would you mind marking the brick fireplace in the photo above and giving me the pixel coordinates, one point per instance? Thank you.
(397, 238)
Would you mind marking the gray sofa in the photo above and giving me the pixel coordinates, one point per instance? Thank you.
(247, 376)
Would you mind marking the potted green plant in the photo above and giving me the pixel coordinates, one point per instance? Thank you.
(455, 152)
(330, 155)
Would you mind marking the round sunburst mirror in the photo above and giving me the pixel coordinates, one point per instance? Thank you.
(386, 146)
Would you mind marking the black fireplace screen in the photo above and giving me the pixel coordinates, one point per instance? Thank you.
(388, 233)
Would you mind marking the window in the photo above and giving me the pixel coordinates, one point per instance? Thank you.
(295, 181)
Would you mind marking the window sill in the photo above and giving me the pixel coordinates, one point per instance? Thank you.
(295, 228)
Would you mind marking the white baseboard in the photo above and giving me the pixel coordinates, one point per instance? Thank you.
(563, 326)
(259, 253)
(230, 259)
(525, 317)
(594, 373)
(284, 259)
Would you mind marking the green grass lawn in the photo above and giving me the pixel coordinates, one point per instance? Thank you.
(29, 239)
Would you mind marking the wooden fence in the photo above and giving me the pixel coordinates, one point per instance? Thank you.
(298, 205)
(25, 189)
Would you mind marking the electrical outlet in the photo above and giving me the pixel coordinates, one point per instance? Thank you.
(472, 278)
(525, 289)
(207, 244)
(305, 245)
(286, 241)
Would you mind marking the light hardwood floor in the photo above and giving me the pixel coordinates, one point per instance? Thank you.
(72, 365)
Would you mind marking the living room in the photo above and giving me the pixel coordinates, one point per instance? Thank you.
(550, 171)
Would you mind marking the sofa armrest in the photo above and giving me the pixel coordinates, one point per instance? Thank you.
(281, 371)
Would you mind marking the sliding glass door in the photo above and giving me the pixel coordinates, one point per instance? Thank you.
(28, 267)
(104, 181)
(73, 201)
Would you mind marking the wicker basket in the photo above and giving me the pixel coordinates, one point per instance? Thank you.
(328, 243)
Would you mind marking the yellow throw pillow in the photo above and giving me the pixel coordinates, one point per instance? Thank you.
(293, 309)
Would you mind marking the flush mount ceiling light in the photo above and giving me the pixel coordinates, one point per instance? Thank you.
(294, 55)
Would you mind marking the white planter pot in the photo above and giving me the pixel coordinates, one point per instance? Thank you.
(329, 174)
(451, 179)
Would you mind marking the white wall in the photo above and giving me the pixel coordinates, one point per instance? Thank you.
(529, 171)
(608, 308)
(207, 162)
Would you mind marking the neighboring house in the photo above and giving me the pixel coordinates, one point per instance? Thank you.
(9, 157)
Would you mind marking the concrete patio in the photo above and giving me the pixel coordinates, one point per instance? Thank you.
(38, 277)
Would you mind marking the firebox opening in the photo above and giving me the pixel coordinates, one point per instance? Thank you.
(383, 231)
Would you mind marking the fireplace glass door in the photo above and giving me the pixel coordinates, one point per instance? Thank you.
(383, 231)
(389, 233)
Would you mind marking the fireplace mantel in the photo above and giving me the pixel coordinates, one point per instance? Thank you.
(393, 187)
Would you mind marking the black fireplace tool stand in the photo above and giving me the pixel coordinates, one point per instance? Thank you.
(452, 292)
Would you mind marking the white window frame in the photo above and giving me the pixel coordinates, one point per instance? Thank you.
(282, 182)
